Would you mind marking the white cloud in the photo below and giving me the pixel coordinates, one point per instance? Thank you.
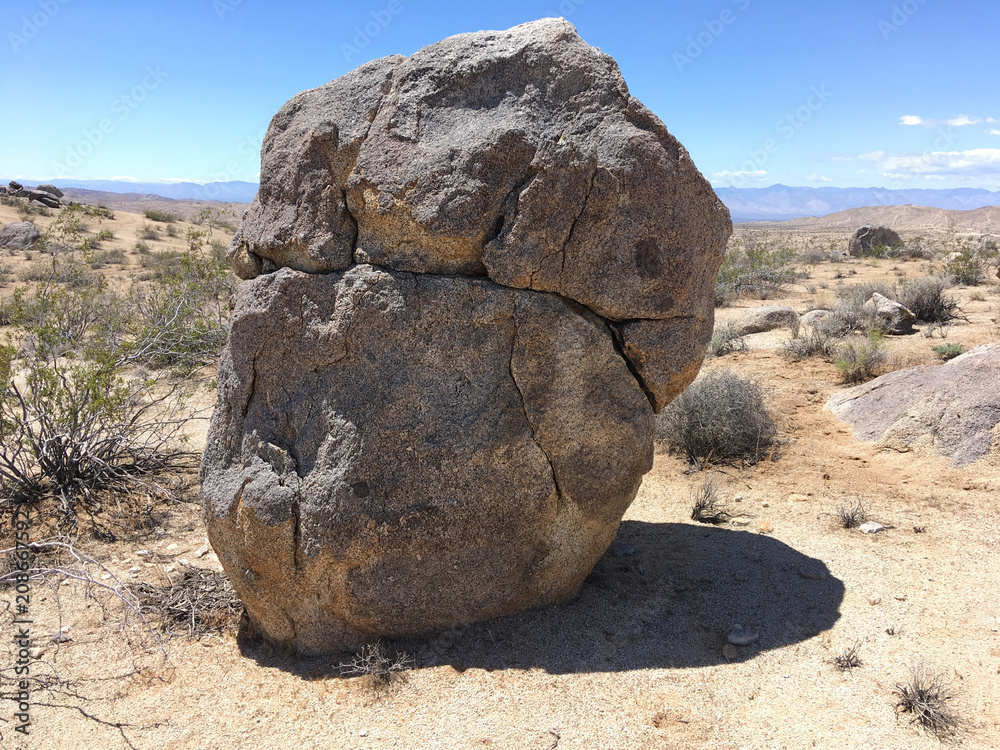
(961, 120)
(757, 175)
(991, 119)
(819, 178)
(979, 162)
(993, 131)
(912, 120)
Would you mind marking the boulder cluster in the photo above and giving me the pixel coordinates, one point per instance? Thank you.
(472, 276)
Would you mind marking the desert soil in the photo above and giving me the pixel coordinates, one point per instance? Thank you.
(636, 660)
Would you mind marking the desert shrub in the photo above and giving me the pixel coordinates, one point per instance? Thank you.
(721, 417)
(725, 340)
(849, 658)
(141, 247)
(708, 505)
(926, 697)
(754, 266)
(104, 235)
(853, 515)
(966, 270)
(99, 212)
(913, 251)
(378, 666)
(115, 256)
(195, 238)
(148, 232)
(817, 341)
(172, 230)
(861, 358)
(948, 351)
(858, 294)
(813, 256)
(927, 300)
(219, 250)
(162, 216)
(877, 250)
(201, 601)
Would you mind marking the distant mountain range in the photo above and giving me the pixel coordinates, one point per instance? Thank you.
(774, 203)
(228, 192)
(781, 202)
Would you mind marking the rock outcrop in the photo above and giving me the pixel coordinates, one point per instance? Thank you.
(19, 235)
(954, 407)
(472, 276)
(872, 235)
(898, 317)
(766, 318)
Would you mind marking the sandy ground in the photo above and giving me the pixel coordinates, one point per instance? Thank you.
(636, 661)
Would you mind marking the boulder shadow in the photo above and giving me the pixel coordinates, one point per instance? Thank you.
(663, 596)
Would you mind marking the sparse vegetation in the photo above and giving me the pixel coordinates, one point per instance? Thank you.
(721, 417)
(927, 698)
(966, 270)
(164, 217)
(201, 601)
(708, 505)
(853, 515)
(754, 265)
(725, 340)
(379, 667)
(948, 351)
(861, 358)
(148, 232)
(927, 300)
(849, 658)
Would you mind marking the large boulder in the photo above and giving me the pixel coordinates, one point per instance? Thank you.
(19, 235)
(473, 275)
(766, 318)
(46, 199)
(954, 407)
(898, 317)
(870, 236)
(51, 190)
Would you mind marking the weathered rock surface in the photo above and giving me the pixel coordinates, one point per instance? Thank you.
(51, 190)
(766, 318)
(19, 235)
(46, 199)
(899, 317)
(473, 276)
(871, 235)
(954, 407)
(814, 318)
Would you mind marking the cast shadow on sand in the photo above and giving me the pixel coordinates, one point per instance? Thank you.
(669, 604)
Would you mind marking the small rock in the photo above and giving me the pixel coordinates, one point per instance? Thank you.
(797, 498)
(764, 527)
(169, 568)
(741, 576)
(765, 504)
(363, 733)
(621, 549)
(36, 652)
(812, 572)
(740, 637)
(61, 637)
(203, 550)
(739, 521)
(871, 528)
(142, 552)
(106, 576)
(873, 600)
(171, 547)
(134, 570)
(184, 561)
(729, 652)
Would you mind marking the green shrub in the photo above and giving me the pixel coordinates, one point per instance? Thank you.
(721, 417)
(104, 235)
(948, 351)
(861, 359)
(140, 247)
(754, 266)
(162, 216)
(172, 231)
(966, 270)
(148, 232)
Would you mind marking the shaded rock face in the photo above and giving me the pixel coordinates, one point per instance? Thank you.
(954, 407)
(19, 235)
(898, 316)
(871, 235)
(473, 275)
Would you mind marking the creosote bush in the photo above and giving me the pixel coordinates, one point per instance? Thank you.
(161, 216)
(721, 417)
(927, 300)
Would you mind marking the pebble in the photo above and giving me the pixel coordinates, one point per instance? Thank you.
(741, 576)
(106, 576)
(203, 550)
(812, 572)
(764, 527)
(740, 637)
(621, 549)
(169, 568)
(134, 570)
(171, 547)
(36, 653)
(363, 733)
(765, 504)
(795, 497)
(142, 552)
(873, 600)
(61, 637)
(871, 528)
(739, 521)
(729, 652)
(184, 561)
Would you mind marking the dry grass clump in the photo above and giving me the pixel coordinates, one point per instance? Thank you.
(927, 300)
(853, 515)
(926, 697)
(721, 417)
(726, 340)
(379, 667)
(201, 601)
(849, 659)
(709, 506)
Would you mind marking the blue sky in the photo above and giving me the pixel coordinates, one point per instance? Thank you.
(886, 93)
